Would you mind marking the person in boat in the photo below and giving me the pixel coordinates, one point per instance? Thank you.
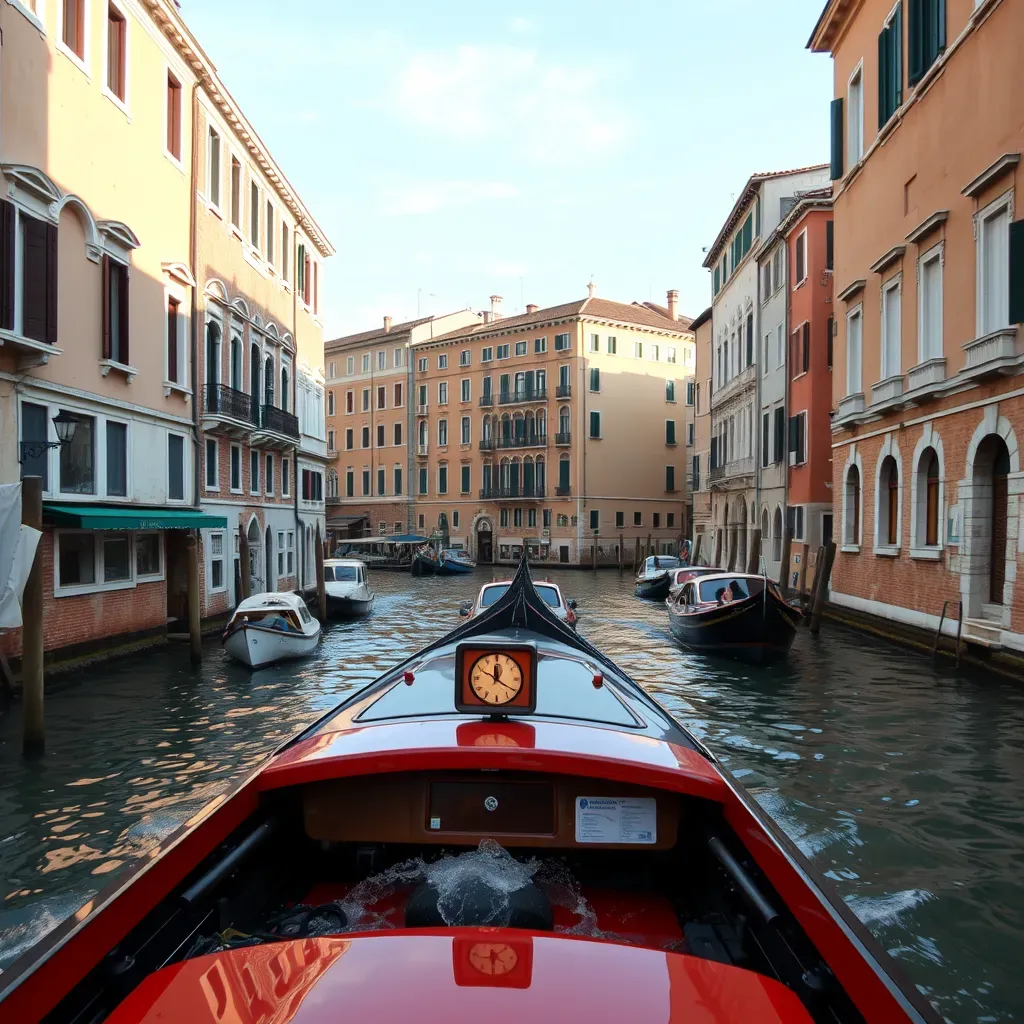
(720, 596)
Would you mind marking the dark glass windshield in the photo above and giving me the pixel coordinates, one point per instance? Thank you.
(664, 562)
(717, 590)
(341, 573)
(492, 594)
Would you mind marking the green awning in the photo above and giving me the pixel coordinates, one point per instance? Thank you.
(126, 517)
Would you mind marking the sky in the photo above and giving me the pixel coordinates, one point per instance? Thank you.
(455, 150)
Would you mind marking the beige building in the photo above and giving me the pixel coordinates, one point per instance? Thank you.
(560, 429)
(700, 461)
(103, 239)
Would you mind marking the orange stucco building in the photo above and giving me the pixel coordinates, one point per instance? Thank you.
(560, 429)
(928, 128)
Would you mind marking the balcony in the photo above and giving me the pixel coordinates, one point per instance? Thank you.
(422, 410)
(563, 492)
(849, 407)
(486, 401)
(277, 428)
(422, 450)
(517, 397)
(745, 380)
(734, 470)
(227, 410)
(923, 378)
(992, 354)
(523, 441)
(563, 391)
(531, 492)
(488, 444)
(563, 437)
(887, 391)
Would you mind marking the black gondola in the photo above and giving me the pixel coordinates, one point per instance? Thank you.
(735, 614)
(653, 581)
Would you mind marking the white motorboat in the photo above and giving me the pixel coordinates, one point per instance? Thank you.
(271, 627)
(348, 590)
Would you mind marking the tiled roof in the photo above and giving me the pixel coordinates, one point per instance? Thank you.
(683, 321)
(379, 332)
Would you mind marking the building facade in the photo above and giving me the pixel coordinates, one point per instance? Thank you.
(102, 307)
(734, 477)
(560, 430)
(700, 460)
(929, 265)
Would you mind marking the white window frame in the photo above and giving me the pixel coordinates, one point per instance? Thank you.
(185, 461)
(442, 361)
(350, 366)
(177, 162)
(522, 348)
(466, 436)
(855, 313)
(268, 482)
(855, 145)
(148, 577)
(382, 359)
(208, 546)
(447, 482)
(123, 105)
(399, 357)
(442, 392)
(286, 488)
(853, 545)
(99, 587)
(889, 448)
(892, 285)
(241, 470)
(442, 423)
(1005, 201)
(466, 390)
(934, 255)
(83, 63)
(211, 130)
(206, 463)
(929, 438)
(802, 236)
(421, 364)
(600, 425)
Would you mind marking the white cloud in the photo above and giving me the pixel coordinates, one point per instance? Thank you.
(522, 26)
(420, 197)
(512, 95)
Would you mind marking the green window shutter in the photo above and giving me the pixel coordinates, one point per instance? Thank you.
(830, 245)
(917, 14)
(938, 25)
(716, 288)
(837, 139)
(883, 77)
(1017, 272)
(896, 28)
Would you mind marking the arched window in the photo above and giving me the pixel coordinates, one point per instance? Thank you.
(777, 535)
(268, 381)
(504, 471)
(541, 476)
(423, 429)
(519, 427)
(506, 428)
(563, 420)
(928, 509)
(213, 353)
(515, 475)
(851, 524)
(540, 422)
(486, 435)
(888, 503)
(765, 531)
(254, 379)
(236, 363)
(332, 484)
(284, 388)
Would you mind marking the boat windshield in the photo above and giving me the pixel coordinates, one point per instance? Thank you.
(492, 594)
(716, 589)
(341, 573)
(664, 562)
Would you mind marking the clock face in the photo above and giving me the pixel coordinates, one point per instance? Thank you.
(495, 678)
(493, 958)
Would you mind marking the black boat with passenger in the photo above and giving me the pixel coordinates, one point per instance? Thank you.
(735, 614)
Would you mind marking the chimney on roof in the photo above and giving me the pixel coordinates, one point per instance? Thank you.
(532, 307)
(495, 307)
(673, 304)
(486, 314)
(591, 289)
(387, 325)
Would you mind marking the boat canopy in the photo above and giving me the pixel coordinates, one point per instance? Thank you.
(657, 562)
(363, 542)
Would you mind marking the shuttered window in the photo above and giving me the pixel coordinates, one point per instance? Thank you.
(765, 437)
(806, 345)
(115, 311)
(927, 36)
(117, 459)
(1017, 272)
(890, 67)
(830, 246)
(836, 171)
(780, 434)
(39, 289)
(6, 265)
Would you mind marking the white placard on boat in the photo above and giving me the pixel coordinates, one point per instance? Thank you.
(602, 819)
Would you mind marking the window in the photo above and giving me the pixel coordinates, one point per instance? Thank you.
(612, 346)
(254, 472)
(595, 378)
(291, 553)
(801, 258)
(236, 468)
(366, 482)
(638, 350)
(670, 355)
(285, 482)
(382, 360)
(350, 483)
(670, 431)
(540, 345)
(380, 435)
(117, 563)
(546, 519)
(442, 432)
(212, 478)
(855, 116)
(695, 471)
(779, 416)
(517, 517)
(270, 231)
(76, 559)
(689, 434)
(830, 330)
(503, 351)
(380, 480)
(655, 352)
(927, 32)
(929, 318)
(350, 367)
(798, 439)
(993, 249)
(365, 400)
(382, 396)
(464, 479)
(213, 168)
(670, 392)
(465, 394)
(766, 282)
(148, 549)
(795, 521)
(365, 437)
(888, 502)
(620, 519)
(175, 467)
(236, 193)
(117, 459)
(486, 355)
(891, 329)
(595, 424)
(464, 436)
(890, 66)
(656, 520)
(398, 433)
(442, 392)
(174, 367)
(854, 329)
(284, 261)
(928, 500)
(595, 515)
(330, 403)
(691, 392)
(73, 27)
(521, 348)
(398, 480)
(561, 342)
(115, 311)
(503, 518)
(423, 480)
(254, 215)
(670, 478)
(638, 519)
(595, 346)
(442, 361)
(348, 439)
(268, 474)
(779, 268)
(173, 116)
(442, 478)
(766, 418)
(398, 395)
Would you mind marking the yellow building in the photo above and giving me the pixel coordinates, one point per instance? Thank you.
(104, 234)
(560, 429)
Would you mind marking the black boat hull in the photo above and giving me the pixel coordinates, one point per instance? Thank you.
(758, 630)
(654, 590)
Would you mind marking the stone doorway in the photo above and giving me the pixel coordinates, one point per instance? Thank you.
(484, 543)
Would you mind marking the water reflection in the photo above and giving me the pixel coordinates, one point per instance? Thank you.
(902, 783)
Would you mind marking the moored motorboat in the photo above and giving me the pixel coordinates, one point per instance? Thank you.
(270, 627)
(506, 824)
(347, 587)
(653, 581)
(678, 578)
(425, 562)
(455, 562)
(734, 614)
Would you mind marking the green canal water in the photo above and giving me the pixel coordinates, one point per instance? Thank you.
(903, 783)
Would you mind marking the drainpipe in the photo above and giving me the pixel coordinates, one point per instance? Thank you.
(193, 243)
(755, 426)
(300, 533)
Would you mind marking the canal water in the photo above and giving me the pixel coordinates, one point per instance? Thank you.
(903, 783)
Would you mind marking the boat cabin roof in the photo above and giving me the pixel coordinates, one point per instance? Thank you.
(354, 563)
(263, 602)
(664, 562)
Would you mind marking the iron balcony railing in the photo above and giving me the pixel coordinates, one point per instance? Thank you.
(563, 391)
(487, 444)
(486, 401)
(523, 395)
(563, 492)
(221, 400)
(509, 492)
(735, 467)
(523, 441)
(563, 437)
(279, 421)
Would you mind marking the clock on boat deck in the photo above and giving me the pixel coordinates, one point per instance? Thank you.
(496, 678)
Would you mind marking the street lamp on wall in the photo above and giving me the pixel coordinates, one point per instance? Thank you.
(65, 424)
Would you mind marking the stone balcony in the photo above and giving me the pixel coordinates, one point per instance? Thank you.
(850, 406)
(922, 378)
(886, 391)
(722, 476)
(995, 353)
(743, 381)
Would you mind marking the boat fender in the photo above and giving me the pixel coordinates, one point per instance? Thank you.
(477, 903)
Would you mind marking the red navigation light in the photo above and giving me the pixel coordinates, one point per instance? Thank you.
(598, 680)
(408, 677)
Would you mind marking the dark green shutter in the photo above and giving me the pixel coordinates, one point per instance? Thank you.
(896, 28)
(918, 33)
(883, 76)
(837, 138)
(830, 244)
(939, 25)
(6, 265)
(1017, 272)
(794, 433)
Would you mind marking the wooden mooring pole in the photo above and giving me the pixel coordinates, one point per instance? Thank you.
(33, 737)
(321, 590)
(593, 554)
(695, 557)
(802, 590)
(822, 587)
(620, 553)
(819, 564)
(754, 553)
(636, 557)
(244, 579)
(195, 636)
(787, 546)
